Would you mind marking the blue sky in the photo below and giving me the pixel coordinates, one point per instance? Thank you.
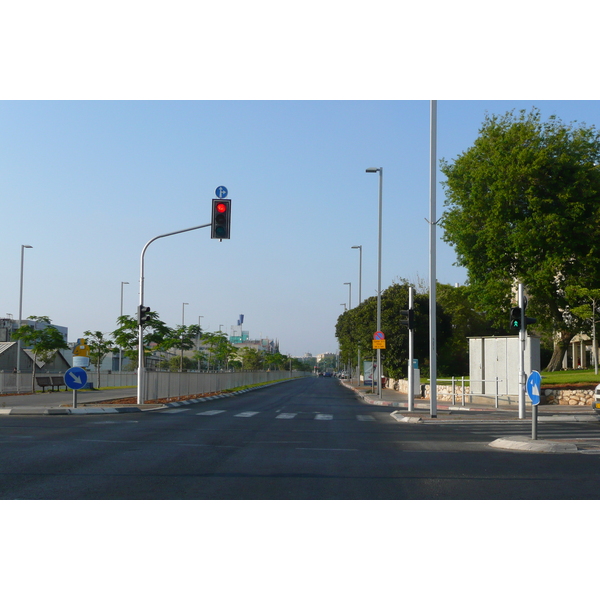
(118, 123)
(88, 183)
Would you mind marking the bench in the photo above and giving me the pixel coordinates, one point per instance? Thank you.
(58, 381)
(53, 381)
(44, 382)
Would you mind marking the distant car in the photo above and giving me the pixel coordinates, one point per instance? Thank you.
(596, 401)
(328, 374)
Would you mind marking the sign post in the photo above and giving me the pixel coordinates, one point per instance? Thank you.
(75, 378)
(534, 386)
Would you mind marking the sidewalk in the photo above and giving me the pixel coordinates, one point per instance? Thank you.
(481, 409)
(61, 403)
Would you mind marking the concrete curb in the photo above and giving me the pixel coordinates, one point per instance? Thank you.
(523, 444)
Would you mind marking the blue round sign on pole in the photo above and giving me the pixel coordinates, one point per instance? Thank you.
(534, 386)
(221, 192)
(75, 378)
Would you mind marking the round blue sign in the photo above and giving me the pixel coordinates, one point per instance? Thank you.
(75, 378)
(534, 386)
(221, 192)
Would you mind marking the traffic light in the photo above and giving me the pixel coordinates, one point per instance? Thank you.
(410, 318)
(143, 314)
(515, 320)
(516, 315)
(221, 219)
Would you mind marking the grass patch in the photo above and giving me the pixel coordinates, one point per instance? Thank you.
(574, 377)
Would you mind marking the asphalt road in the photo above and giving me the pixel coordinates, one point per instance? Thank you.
(303, 439)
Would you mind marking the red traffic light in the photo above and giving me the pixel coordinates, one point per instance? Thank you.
(221, 218)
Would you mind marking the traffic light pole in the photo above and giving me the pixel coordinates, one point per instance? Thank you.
(141, 367)
(522, 338)
(411, 370)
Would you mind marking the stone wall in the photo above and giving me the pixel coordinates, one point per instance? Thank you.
(572, 397)
(575, 397)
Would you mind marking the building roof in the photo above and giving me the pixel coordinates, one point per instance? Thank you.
(4, 346)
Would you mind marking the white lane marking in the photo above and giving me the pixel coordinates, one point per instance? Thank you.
(286, 416)
(210, 413)
(323, 417)
(365, 417)
(248, 413)
(332, 449)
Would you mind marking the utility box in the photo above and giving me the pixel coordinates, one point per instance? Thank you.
(498, 357)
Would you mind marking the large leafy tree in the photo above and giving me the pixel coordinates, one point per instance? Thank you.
(44, 342)
(523, 205)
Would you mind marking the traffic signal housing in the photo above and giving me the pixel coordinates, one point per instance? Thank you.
(143, 314)
(221, 219)
(516, 316)
(410, 318)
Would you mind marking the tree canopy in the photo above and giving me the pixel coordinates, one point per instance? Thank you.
(523, 205)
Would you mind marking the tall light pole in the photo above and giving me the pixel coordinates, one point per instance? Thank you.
(182, 334)
(21, 306)
(359, 273)
(432, 263)
(198, 340)
(349, 284)
(359, 300)
(379, 369)
(121, 349)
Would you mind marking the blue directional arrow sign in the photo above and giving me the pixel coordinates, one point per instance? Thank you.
(75, 378)
(221, 192)
(534, 386)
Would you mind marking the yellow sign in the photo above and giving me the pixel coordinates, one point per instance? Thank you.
(82, 349)
(378, 344)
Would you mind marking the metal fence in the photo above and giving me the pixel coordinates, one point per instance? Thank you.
(158, 384)
(463, 393)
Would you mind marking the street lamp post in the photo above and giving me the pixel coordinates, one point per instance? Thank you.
(379, 369)
(359, 299)
(198, 340)
(23, 246)
(349, 284)
(182, 334)
(121, 349)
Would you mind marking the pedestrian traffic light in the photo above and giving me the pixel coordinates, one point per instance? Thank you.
(516, 315)
(143, 314)
(221, 219)
(410, 318)
(515, 320)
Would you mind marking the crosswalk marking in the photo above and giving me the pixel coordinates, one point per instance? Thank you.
(283, 415)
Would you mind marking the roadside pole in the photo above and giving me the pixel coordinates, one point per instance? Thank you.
(411, 369)
(522, 336)
(141, 363)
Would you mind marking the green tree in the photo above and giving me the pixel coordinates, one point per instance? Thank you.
(523, 205)
(156, 333)
(99, 349)
(44, 343)
(182, 338)
(221, 350)
(252, 359)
